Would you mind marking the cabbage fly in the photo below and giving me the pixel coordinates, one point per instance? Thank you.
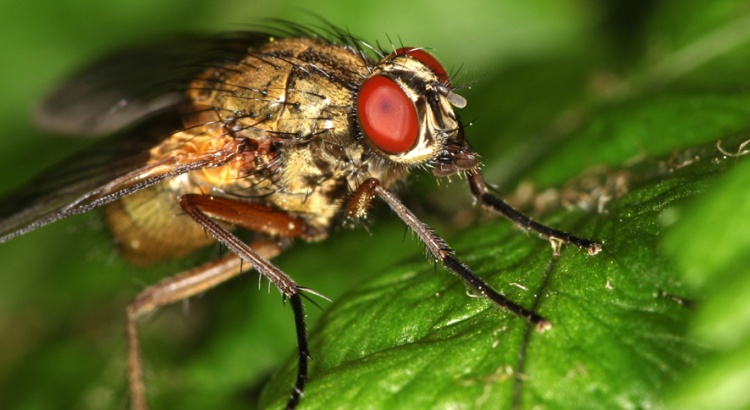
(280, 135)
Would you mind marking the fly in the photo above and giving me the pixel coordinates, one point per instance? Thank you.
(281, 136)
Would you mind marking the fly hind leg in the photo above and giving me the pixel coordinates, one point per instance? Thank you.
(206, 211)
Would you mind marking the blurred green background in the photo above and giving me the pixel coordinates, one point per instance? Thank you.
(536, 69)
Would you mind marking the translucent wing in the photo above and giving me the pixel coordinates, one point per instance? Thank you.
(133, 84)
(138, 92)
(98, 176)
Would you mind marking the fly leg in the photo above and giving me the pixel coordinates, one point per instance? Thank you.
(361, 201)
(206, 211)
(174, 289)
(479, 190)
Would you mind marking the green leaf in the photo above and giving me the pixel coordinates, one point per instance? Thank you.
(411, 338)
(715, 261)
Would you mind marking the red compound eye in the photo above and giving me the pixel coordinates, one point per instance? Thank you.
(387, 115)
(427, 59)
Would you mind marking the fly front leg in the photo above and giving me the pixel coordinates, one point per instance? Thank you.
(370, 189)
(479, 190)
(206, 210)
